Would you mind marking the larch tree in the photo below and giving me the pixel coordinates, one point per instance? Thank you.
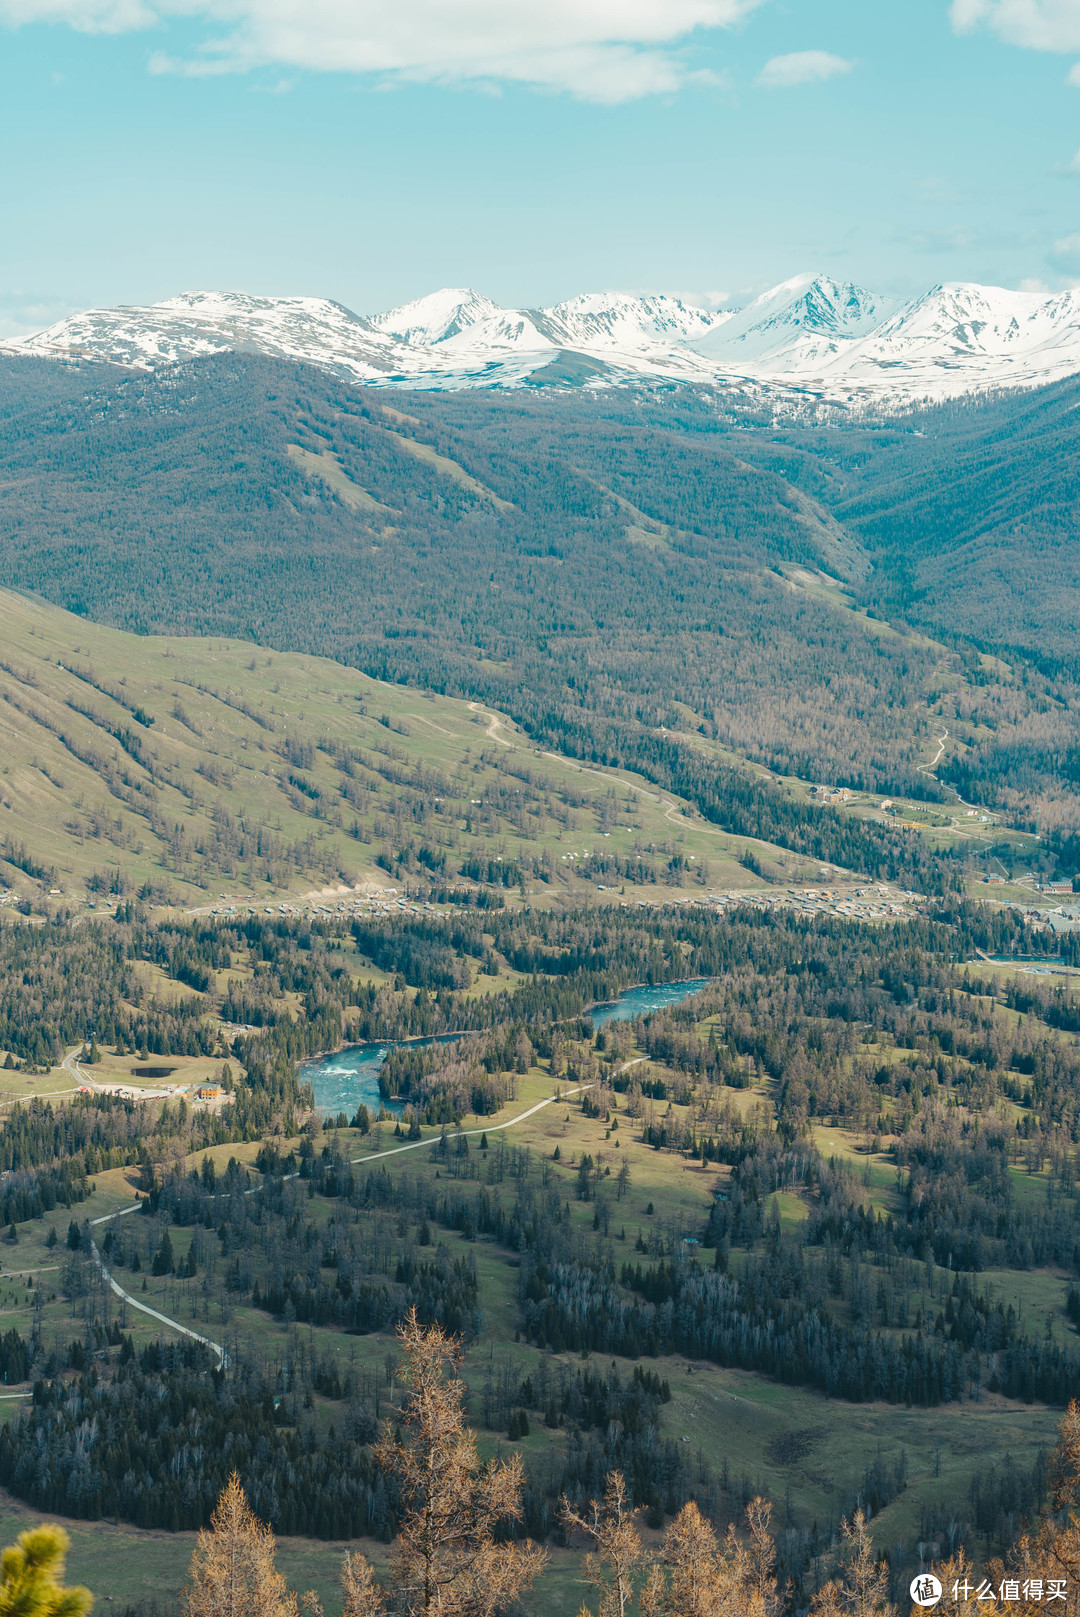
(232, 1569)
(1051, 1550)
(755, 1560)
(958, 1573)
(861, 1587)
(32, 1574)
(619, 1550)
(685, 1581)
(447, 1560)
(694, 1576)
(363, 1597)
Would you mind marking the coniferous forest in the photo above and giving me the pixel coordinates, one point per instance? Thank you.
(845, 1167)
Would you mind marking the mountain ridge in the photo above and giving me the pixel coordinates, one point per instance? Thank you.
(809, 338)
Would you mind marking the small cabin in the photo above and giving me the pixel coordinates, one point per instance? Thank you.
(208, 1092)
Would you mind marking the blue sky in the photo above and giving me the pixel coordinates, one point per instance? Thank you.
(372, 150)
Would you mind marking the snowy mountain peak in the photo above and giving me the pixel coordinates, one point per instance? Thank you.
(462, 322)
(439, 315)
(839, 306)
(807, 317)
(812, 334)
(623, 320)
(816, 295)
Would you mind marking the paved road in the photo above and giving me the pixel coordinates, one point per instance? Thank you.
(374, 1156)
(491, 1128)
(144, 1308)
(70, 1064)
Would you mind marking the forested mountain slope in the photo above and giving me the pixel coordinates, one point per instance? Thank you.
(579, 571)
(971, 516)
(607, 571)
(970, 519)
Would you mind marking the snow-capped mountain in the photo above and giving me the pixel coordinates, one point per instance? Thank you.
(960, 337)
(437, 317)
(797, 326)
(200, 323)
(606, 321)
(811, 337)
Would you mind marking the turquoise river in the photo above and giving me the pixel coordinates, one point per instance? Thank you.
(350, 1077)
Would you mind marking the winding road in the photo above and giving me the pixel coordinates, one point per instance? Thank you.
(928, 769)
(495, 723)
(956, 825)
(374, 1156)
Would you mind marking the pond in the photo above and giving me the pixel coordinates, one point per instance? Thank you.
(350, 1078)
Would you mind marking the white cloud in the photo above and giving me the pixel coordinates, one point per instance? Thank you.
(1037, 25)
(24, 312)
(600, 50)
(200, 68)
(89, 16)
(1065, 255)
(801, 67)
(937, 190)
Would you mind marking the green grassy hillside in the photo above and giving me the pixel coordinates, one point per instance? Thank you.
(192, 768)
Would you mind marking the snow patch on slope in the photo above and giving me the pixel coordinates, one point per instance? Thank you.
(199, 323)
(620, 323)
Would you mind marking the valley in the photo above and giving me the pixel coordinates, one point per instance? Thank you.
(539, 809)
(643, 1140)
(758, 615)
(359, 749)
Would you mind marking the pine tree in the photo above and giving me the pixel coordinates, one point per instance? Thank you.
(232, 1570)
(445, 1559)
(163, 1258)
(31, 1577)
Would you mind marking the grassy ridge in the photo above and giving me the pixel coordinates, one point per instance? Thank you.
(192, 766)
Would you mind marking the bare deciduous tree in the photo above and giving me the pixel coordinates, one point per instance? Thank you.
(619, 1550)
(446, 1560)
